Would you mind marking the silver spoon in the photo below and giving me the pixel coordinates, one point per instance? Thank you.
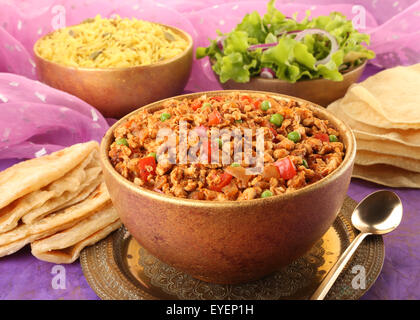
(378, 213)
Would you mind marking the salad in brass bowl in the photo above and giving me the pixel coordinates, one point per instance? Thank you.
(275, 46)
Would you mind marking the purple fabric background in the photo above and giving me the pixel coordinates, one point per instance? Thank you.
(32, 113)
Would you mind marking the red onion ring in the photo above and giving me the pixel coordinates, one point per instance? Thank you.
(220, 42)
(263, 46)
(287, 32)
(267, 73)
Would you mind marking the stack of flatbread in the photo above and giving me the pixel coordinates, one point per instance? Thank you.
(58, 203)
(384, 113)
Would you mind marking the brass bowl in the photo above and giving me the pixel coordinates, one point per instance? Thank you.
(230, 241)
(319, 91)
(117, 91)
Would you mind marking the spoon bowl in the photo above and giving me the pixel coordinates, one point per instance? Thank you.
(378, 213)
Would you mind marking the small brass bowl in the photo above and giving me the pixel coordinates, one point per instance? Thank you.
(319, 91)
(116, 92)
(230, 241)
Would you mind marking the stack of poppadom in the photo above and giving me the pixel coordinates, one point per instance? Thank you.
(384, 113)
(58, 203)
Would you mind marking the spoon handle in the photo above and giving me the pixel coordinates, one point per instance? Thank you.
(333, 274)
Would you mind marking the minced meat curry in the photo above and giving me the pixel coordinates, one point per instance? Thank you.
(298, 148)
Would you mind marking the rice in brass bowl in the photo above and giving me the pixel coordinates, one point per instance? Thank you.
(231, 242)
(319, 91)
(116, 92)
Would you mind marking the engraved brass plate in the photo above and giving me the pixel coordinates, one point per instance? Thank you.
(119, 268)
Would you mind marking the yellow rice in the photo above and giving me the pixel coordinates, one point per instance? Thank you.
(111, 43)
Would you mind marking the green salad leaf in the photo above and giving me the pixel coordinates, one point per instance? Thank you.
(238, 55)
(253, 26)
(236, 41)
